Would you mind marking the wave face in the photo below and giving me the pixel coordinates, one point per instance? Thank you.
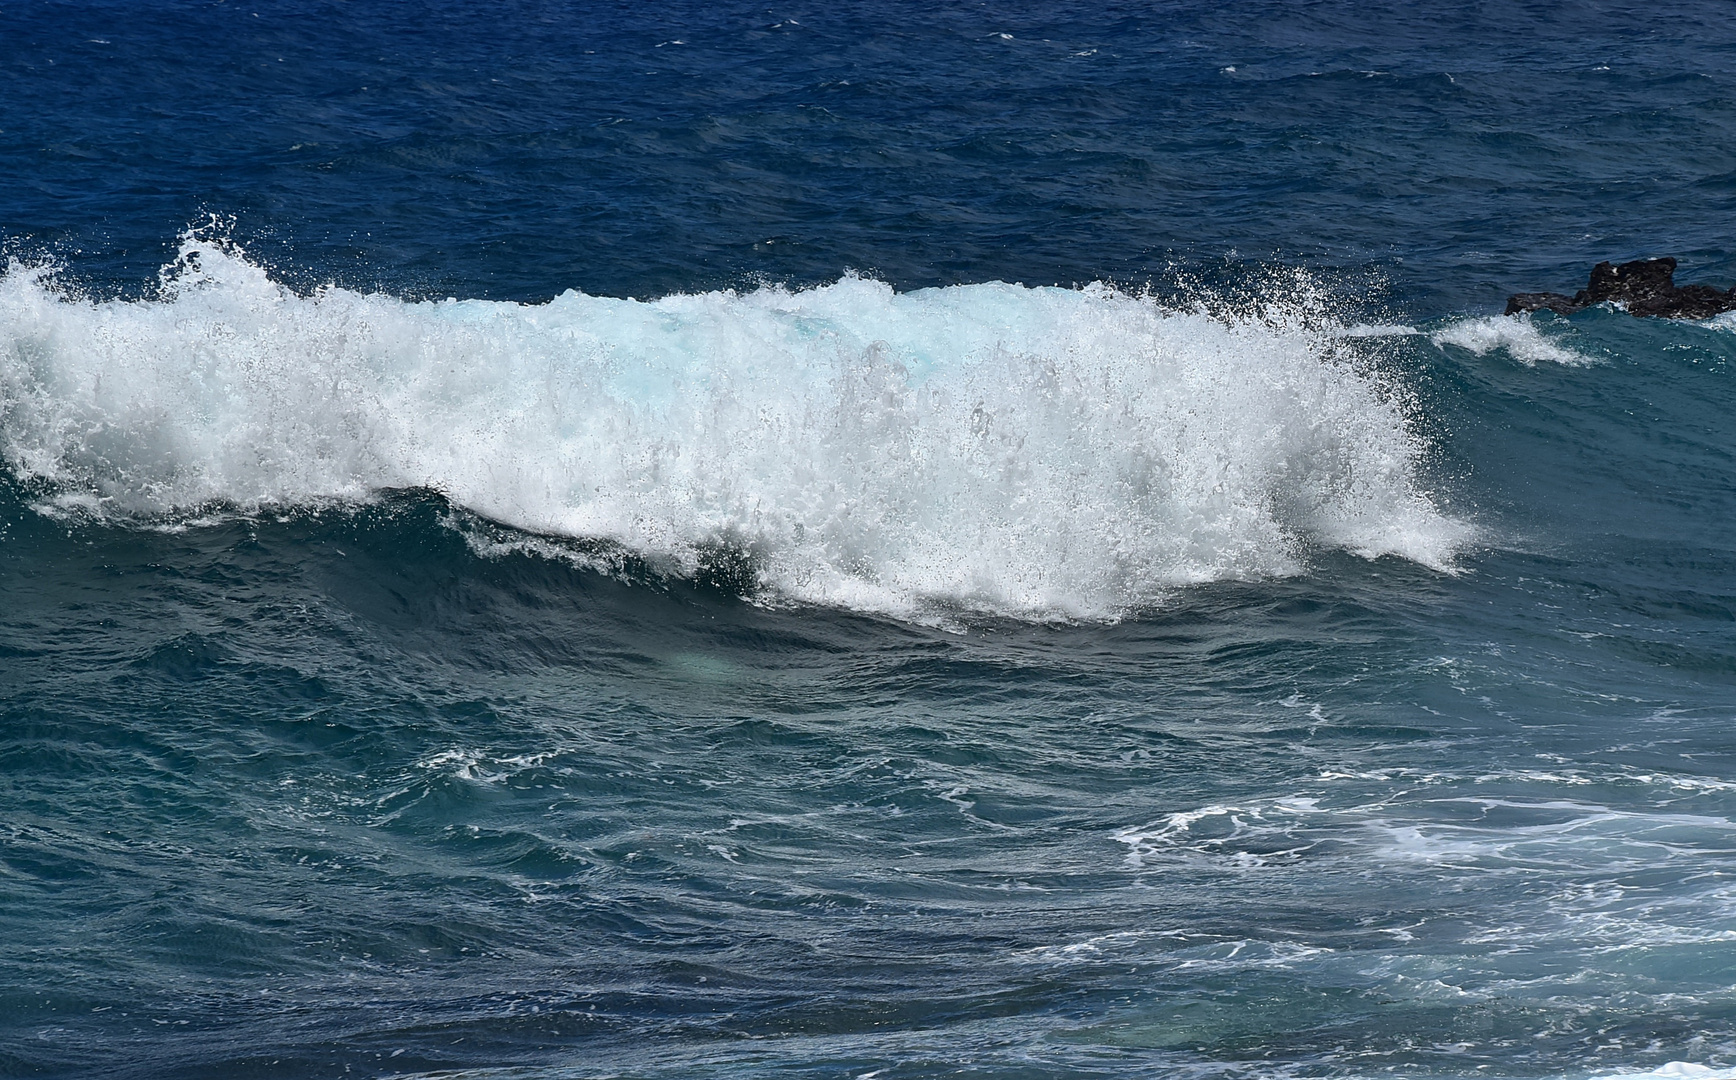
(1027, 451)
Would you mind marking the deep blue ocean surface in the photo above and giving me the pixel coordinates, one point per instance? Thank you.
(863, 540)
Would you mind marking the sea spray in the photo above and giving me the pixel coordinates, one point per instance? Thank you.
(1035, 452)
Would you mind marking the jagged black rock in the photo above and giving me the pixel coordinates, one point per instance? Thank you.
(1644, 287)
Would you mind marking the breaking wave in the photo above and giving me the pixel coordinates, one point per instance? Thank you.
(1037, 452)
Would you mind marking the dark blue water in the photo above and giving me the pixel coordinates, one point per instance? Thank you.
(1061, 570)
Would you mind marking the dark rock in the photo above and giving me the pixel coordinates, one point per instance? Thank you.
(1560, 303)
(1644, 287)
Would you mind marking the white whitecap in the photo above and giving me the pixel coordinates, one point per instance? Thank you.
(1036, 452)
(1675, 1070)
(1517, 335)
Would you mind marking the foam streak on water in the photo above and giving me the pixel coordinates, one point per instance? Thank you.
(1026, 451)
(1517, 334)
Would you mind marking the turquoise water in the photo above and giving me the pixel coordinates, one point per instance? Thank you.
(875, 548)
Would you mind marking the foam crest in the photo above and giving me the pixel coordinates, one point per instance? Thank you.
(1029, 451)
(1517, 335)
(1676, 1070)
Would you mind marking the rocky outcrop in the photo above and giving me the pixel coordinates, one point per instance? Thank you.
(1644, 287)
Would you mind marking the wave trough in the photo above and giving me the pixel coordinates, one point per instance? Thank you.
(1036, 452)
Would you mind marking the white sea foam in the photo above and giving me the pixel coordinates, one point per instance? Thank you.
(1401, 827)
(1379, 330)
(1516, 334)
(1031, 451)
(1676, 1070)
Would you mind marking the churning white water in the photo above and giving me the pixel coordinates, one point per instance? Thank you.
(1030, 451)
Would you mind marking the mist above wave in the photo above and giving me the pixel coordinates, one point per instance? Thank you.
(1027, 451)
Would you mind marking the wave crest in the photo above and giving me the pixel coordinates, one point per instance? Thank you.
(1028, 451)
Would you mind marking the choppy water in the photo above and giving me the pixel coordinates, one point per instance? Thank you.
(1059, 572)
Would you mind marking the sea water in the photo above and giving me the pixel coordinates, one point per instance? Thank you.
(568, 540)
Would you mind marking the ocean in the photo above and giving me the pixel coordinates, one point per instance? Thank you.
(863, 540)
